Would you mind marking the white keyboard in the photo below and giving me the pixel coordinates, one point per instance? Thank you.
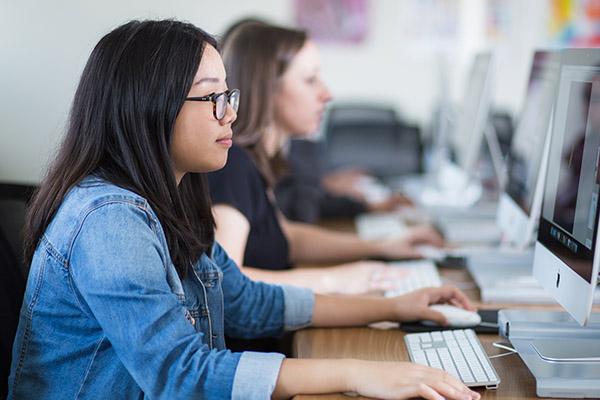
(457, 352)
(424, 274)
(475, 231)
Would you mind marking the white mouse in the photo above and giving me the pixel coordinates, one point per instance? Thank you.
(457, 317)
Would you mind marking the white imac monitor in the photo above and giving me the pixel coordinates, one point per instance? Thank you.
(453, 184)
(566, 252)
(521, 200)
(467, 137)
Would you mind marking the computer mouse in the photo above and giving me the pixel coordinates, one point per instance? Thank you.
(443, 258)
(457, 317)
(452, 261)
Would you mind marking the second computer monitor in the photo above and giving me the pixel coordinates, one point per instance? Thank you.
(473, 115)
(566, 252)
(520, 202)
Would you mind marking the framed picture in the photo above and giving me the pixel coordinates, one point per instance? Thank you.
(337, 21)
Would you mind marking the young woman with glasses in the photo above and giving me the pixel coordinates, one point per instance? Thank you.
(128, 295)
(284, 97)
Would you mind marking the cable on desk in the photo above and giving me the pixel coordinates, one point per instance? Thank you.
(504, 346)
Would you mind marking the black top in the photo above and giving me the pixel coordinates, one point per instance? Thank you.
(240, 185)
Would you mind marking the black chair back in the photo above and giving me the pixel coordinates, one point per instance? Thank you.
(13, 272)
(372, 138)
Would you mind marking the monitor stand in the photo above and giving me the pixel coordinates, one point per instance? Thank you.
(577, 350)
(448, 188)
(563, 357)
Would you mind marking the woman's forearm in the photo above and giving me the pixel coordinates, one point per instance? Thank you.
(313, 244)
(332, 311)
(315, 279)
(329, 310)
(313, 376)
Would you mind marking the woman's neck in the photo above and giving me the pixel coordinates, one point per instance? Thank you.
(273, 140)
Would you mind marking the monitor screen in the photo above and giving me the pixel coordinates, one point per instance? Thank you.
(473, 116)
(524, 160)
(569, 221)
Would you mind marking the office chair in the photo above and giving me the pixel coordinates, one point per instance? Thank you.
(13, 272)
(373, 138)
(12, 287)
(13, 204)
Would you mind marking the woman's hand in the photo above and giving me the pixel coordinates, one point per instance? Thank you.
(404, 246)
(424, 234)
(345, 182)
(414, 306)
(373, 379)
(391, 203)
(401, 380)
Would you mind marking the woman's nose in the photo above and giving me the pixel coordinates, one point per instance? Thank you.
(325, 94)
(230, 116)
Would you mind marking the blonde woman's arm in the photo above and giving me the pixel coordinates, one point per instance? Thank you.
(232, 234)
(311, 243)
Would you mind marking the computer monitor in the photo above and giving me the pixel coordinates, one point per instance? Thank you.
(451, 185)
(473, 115)
(566, 252)
(521, 200)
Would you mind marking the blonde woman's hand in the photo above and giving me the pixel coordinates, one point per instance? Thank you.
(405, 245)
(424, 234)
(391, 203)
(401, 380)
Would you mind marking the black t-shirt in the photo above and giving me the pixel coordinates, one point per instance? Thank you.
(240, 185)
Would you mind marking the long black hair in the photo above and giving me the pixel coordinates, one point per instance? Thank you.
(120, 128)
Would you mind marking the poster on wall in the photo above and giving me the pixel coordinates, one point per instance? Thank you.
(333, 21)
(575, 22)
(498, 20)
(429, 23)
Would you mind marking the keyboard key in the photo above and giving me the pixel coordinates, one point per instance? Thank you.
(433, 358)
(419, 357)
(448, 335)
(462, 366)
(425, 337)
(447, 362)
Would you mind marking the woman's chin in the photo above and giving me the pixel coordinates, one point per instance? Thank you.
(304, 134)
(214, 165)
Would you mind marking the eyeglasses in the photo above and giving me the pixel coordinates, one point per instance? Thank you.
(220, 101)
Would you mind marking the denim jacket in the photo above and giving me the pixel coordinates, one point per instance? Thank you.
(105, 314)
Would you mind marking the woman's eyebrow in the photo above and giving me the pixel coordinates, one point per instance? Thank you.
(208, 79)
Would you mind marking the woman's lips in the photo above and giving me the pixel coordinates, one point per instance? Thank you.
(228, 142)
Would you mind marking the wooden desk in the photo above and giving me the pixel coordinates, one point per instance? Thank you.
(388, 344)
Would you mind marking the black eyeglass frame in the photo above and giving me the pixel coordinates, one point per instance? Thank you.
(214, 97)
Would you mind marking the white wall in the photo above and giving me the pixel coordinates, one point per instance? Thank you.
(44, 45)
(393, 70)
